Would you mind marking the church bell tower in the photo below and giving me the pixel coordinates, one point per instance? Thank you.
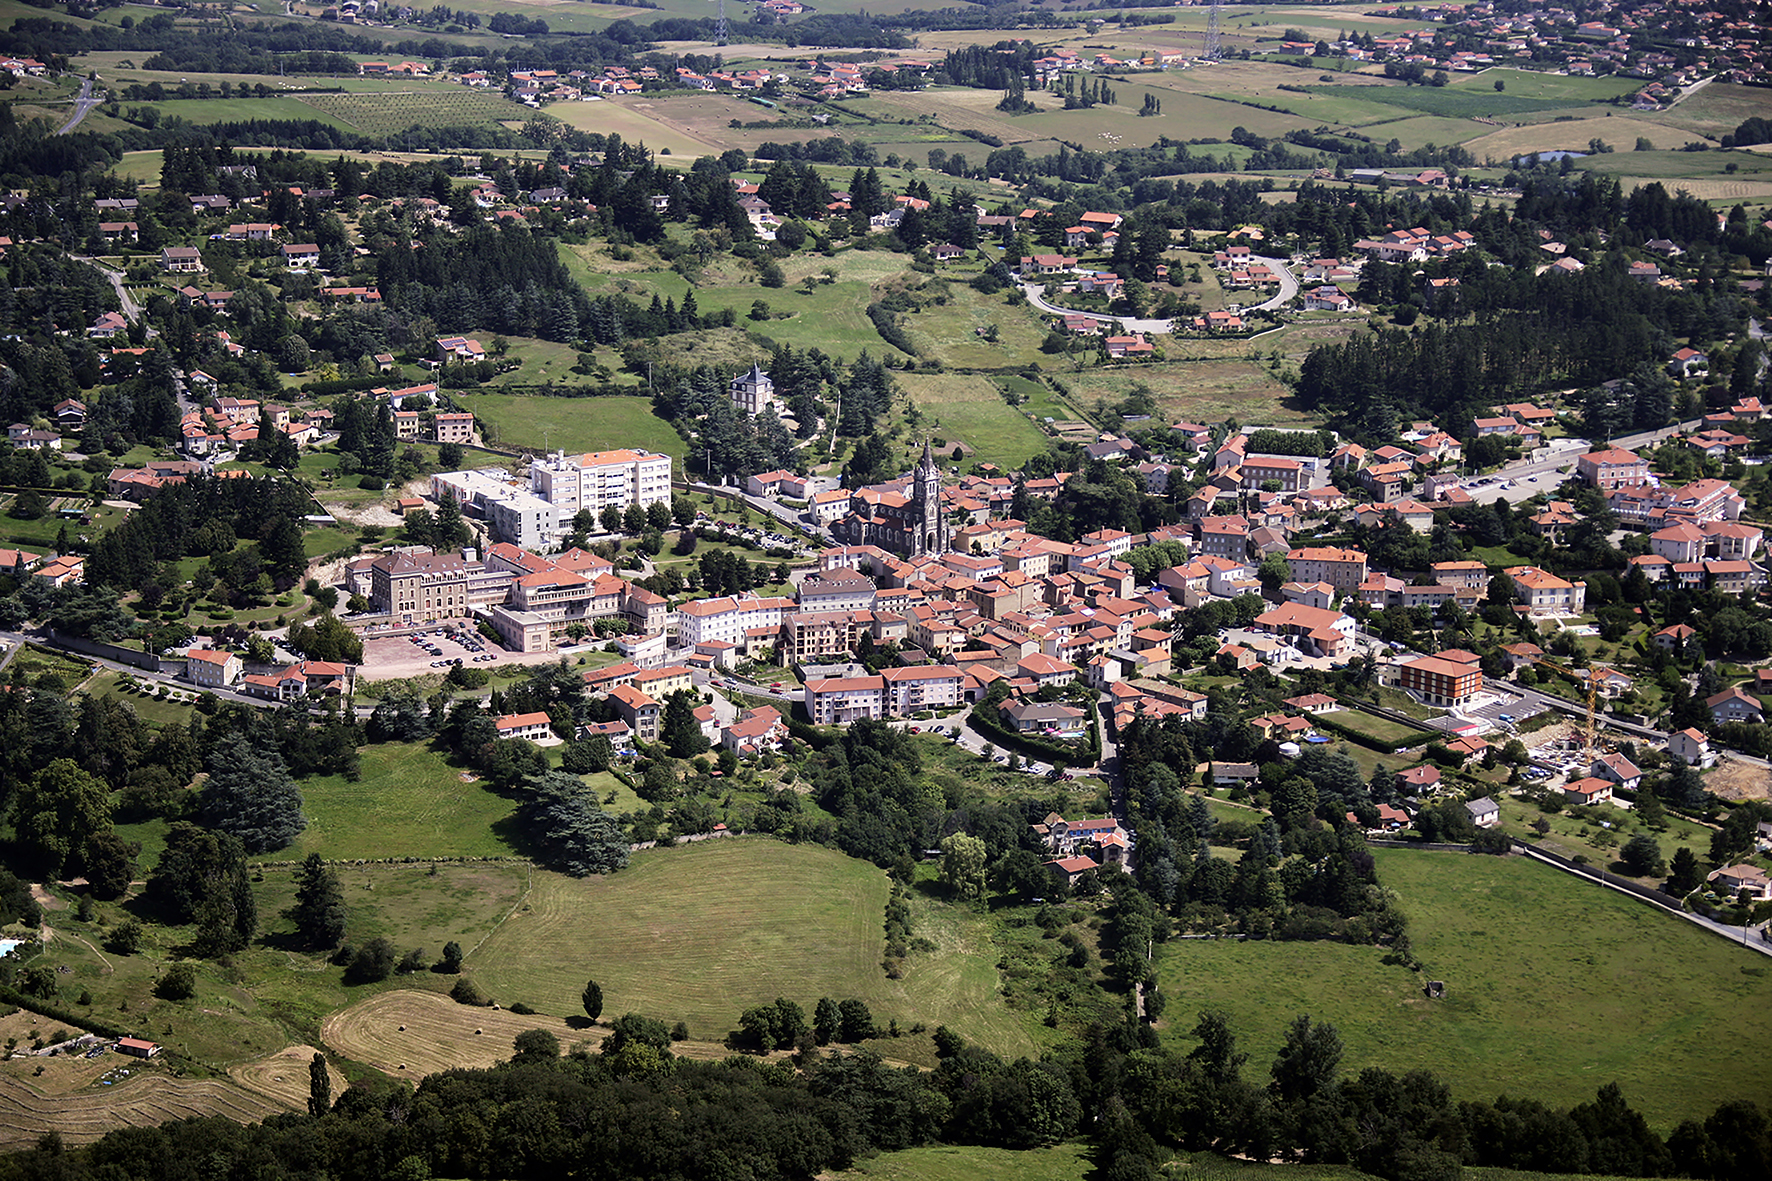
(932, 529)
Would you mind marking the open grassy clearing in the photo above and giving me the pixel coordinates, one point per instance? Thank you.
(410, 802)
(1620, 131)
(1676, 169)
(1194, 391)
(1536, 84)
(633, 120)
(1579, 835)
(410, 1034)
(575, 424)
(1717, 109)
(160, 711)
(1066, 1162)
(1554, 989)
(952, 334)
(971, 410)
(701, 932)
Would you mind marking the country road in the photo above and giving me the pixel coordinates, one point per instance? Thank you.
(1036, 293)
(84, 103)
(131, 310)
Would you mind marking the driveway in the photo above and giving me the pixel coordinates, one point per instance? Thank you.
(1288, 284)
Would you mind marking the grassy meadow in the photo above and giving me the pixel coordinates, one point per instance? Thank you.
(701, 932)
(575, 424)
(1554, 988)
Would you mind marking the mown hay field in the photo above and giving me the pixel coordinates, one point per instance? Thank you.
(145, 1098)
(284, 1076)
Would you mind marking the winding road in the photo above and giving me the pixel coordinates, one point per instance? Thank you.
(1036, 293)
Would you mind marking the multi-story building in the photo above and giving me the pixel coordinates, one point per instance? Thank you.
(728, 618)
(453, 427)
(1343, 569)
(754, 392)
(421, 588)
(913, 689)
(598, 480)
(850, 592)
(818, 635)
(840, 700)
(1543, 593)
(1439, 681)
(1612, 467)
(509, 510)
(638, 710)
(213, 669)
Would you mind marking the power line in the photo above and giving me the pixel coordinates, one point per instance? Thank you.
(1214, 25)
(720, 27)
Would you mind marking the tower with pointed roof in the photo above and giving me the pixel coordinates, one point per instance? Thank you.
(932, 529)
(754, 392)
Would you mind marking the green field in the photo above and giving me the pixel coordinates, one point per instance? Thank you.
(410, 802)
(970, 410)
(1555, 987)
(1066, 1162)
(575, 424)
(701, 932)
(1380, 729)
(1457, 102)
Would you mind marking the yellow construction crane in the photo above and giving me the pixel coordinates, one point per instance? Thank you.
(1592, 680)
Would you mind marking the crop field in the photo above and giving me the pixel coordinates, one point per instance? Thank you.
(575, 424)
(145, 1098)
(396, 110)
(701, 932)
(410, 1033)
(410, 802)
(636, 122)
(1680, 169)
(1555, 988)
(1533, 84)
(701, 117)
(971, 410)
(283, 1076)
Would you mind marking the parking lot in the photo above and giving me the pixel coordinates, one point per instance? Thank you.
(436, 649)
(1506, 712)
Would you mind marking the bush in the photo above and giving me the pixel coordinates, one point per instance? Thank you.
(126, 937)
(522, 1010)
(466, 992)
(372, 483)
(179, 983)
(371, 962)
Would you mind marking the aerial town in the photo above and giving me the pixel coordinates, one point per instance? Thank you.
(781, 590)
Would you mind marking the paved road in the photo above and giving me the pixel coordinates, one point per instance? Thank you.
(132, 311)
(82, 104)
(787, 515)
(1036, 296)
(1288, 284)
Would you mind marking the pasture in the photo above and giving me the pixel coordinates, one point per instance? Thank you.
(971, 410)
(1554, 989)
(1065, 1162)
(1621, 131)
(701, 932)
(410, 802)
(409, 1033)
(575, 424)
(1205, 390)
(635, 121)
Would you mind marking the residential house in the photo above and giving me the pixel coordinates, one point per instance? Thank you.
(213, 669)
(1484, 812)
(1734, 705)
(1587, 791)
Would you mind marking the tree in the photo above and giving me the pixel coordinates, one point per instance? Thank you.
(1642, 856)
(593, 1000)
(1683, 874)
(680, 730)
(638, 1045)
(449, 456)
(179, 983)
(1650, 809)
(827, 1021)
(1309, 1061)
(1275, 572)
(574, 836)
(319, 1086)
(319, 910)
(535, 1045)
(251, 795)
(126, 937)
(962, 865)
(450, 964)
(1217, 1052)
(857, 1022)
(202, 879)
(59, 812)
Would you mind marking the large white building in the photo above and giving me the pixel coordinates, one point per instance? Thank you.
(513, 513)
(598, 480)
(727, 619)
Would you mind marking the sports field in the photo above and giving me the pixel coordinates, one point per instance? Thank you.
(700, 933)
(1554, 988)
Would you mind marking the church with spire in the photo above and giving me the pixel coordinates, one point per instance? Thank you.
(909, 523)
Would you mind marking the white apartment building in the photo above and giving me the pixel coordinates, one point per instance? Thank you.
(840, 700)
(913, 689)
(727, 619)
(837, 593)
(598, 479)
(513, 514)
